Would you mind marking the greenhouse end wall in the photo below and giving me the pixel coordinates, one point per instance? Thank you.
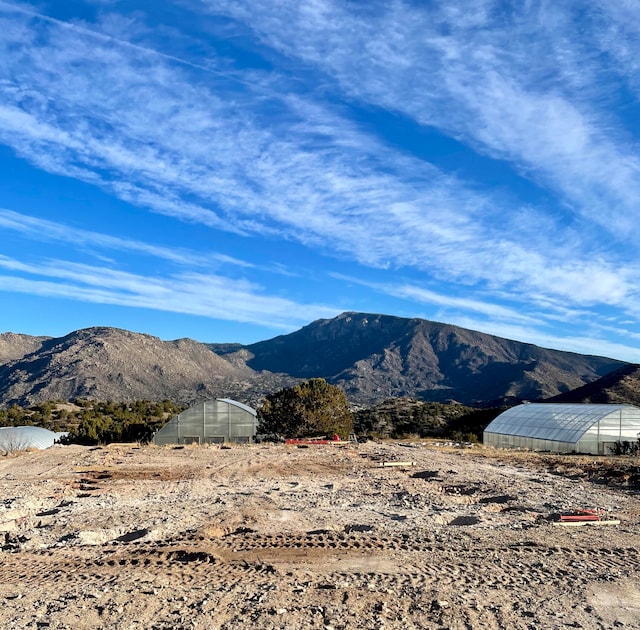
(210, 422)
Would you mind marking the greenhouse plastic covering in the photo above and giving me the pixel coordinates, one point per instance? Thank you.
(23, 438)
(210, 422)
(564, 427)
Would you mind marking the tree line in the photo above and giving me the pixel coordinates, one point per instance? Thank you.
(94, 422)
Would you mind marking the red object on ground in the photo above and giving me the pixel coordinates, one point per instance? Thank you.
(581, 515)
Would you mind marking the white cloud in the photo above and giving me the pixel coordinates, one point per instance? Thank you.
(266, 154)
(518, 85)
(43, 230)
(206, 295)
(153, 137)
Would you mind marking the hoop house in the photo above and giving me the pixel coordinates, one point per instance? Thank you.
(210, 422)
(26, 437)
(564, 428)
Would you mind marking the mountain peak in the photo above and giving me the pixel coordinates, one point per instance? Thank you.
(371, 356)
(374, 356)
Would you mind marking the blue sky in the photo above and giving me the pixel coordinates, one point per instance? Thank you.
(231, 170)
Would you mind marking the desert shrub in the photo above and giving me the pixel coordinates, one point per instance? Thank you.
(311, 408)
(626, 447)
(13, 442)
(14, 416)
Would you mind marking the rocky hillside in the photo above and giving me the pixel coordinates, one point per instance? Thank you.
(114, 364)
(372, 357)
(14, 346)
(620, 386)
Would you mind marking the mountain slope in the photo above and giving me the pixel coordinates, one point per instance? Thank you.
(620, 386)
(14, 346)
(114, 364)
(374, 357)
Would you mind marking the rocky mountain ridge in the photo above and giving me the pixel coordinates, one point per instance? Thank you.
(113, 364)
(372, 357)
(621, 386)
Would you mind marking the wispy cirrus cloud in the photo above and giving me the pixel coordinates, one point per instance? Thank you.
(525, 84)
(150, 134)
(190, 293)
(44, 230)
(269, 153)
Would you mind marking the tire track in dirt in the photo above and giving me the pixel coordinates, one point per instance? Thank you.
(418, 563)
(28, 569)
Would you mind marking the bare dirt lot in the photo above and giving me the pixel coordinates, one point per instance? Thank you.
(322, 537)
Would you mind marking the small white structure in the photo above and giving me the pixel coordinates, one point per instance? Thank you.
(564, 428)
(14, 439)
(210, 422)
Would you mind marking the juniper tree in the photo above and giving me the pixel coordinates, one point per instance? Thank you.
(311, 408)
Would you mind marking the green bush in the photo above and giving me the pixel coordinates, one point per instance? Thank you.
(311, 408)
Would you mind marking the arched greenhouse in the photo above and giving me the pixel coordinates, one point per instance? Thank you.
(210, 422)
(26, 437)
(564, 428)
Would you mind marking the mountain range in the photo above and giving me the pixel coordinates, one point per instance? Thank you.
(372, 357)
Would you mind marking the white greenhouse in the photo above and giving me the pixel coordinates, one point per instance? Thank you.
(564, 428)
(24, 438)
(210, 422)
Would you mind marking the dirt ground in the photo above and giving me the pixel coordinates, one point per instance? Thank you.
(322, 537)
